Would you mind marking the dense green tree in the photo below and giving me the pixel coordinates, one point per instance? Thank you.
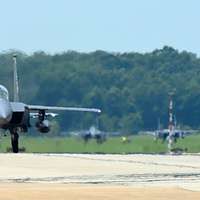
(130, 88)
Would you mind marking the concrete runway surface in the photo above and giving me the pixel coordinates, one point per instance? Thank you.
(83, 176)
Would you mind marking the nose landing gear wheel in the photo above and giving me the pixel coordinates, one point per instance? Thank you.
(14, 142)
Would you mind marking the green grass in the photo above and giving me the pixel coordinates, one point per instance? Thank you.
(192, 143)
(137, 144)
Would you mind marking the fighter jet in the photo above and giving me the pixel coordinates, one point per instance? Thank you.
(93, 133)
(15, 116)
(164, 134)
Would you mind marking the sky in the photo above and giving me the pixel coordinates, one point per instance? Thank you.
(55, 26)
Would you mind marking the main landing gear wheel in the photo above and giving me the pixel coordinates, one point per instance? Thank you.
(14, 142)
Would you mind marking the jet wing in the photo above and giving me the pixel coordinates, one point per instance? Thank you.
(54, 108)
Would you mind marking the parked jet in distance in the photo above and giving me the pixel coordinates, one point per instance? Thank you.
(15, 116)
(93, 133)
(164, 134)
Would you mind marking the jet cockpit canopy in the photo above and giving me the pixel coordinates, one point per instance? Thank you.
(3, 93)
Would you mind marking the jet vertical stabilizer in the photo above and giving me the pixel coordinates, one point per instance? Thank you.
(15, 78)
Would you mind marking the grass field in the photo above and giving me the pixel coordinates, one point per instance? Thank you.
(137, 144)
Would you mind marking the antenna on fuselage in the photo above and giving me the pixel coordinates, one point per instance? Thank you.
(15, 78)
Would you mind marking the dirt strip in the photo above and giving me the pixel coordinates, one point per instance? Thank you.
(16, 191)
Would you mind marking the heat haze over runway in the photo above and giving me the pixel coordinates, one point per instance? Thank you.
(24, 174)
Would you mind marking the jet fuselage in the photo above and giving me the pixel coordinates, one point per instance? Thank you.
(5, 107)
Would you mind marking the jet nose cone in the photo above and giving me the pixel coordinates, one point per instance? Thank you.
(4, 115)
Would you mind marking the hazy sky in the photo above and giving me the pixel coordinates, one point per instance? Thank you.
(88, 25)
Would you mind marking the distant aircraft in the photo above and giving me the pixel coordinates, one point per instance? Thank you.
(93, 133)
(15, 116)
(164, 134)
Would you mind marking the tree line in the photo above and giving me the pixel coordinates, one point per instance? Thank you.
(131, 89)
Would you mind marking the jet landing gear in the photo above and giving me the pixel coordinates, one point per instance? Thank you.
(14, 141)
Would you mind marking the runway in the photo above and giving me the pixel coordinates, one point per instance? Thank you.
(107, 175)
